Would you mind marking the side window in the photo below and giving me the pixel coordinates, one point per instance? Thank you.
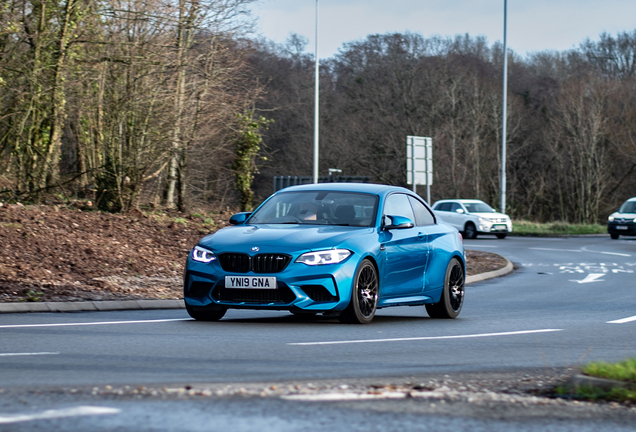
(454, 207)
(443, 207)
(398, 205)
(422, 215)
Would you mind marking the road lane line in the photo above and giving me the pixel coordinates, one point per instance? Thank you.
(615, 253)
(427, 338)
(558, 250)
(622, 321)
(59, 413)
(27, 354)
(93, 323)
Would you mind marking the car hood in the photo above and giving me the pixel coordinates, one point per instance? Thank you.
(490, 215)
(618, 215)
(281, 238)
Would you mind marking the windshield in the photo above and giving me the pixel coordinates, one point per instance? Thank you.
(479, 208)
(628, 207)
(318, 208)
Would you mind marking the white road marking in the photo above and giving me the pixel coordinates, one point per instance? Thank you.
(27, 354)
(622, 321)
(93, 323)
(427, 338)
(584, 248)
(592, 277)
(557, 250)
(53, 414)
(615, 253)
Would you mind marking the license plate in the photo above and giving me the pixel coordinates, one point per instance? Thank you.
(251, 282)
(621, 227)
(500, 228)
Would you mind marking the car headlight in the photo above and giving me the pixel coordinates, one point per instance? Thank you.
(333, 256)
(610, 219)
(484, 221)
(202, 255)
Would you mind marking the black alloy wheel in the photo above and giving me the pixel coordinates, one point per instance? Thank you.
(470, 232)
(364, 296)
(452, 299)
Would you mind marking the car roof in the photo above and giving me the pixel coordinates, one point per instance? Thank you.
(372, 188)
(631, 199)
(461, 200)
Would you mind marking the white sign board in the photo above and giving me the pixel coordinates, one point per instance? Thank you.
(422, 163)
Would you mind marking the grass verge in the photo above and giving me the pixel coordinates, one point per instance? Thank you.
(556, 228)
(623, 372)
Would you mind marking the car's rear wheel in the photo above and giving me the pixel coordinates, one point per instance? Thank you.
(205, 314)
(452, 299)
(501, 236)
(614, 236)
(470, 232)
(364, 296)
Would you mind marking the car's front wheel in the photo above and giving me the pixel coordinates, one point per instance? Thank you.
(452, 299)
(205, 314)
(614, 236)
(364, 296)
(501, 236)
(470, 231)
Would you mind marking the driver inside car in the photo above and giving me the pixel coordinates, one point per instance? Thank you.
(308, 211)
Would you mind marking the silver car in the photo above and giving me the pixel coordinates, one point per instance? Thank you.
(473, 217)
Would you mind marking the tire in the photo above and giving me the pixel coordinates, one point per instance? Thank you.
(364, 295)
(452, 299)
(206, 315)
(614, 236)
(501, 236)
(470, 232)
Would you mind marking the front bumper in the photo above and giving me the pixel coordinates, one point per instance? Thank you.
(494, 228)
(622, 228)
(299, 287)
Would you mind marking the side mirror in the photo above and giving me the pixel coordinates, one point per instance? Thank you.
(239, 218)
(397, 222)
(460, 211)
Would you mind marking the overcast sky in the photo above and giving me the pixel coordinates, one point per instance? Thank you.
(533, 25)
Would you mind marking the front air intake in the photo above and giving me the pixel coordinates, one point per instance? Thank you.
(283, 294)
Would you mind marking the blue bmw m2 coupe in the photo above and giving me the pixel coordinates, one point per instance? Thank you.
(340, 249)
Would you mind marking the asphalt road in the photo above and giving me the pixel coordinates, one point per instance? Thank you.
(571, 300)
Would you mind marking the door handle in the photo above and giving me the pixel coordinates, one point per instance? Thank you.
(421, 236)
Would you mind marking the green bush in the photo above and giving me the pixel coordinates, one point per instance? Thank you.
(556, 228)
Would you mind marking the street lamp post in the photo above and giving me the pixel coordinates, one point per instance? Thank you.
(503, 113)
(316, 106)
